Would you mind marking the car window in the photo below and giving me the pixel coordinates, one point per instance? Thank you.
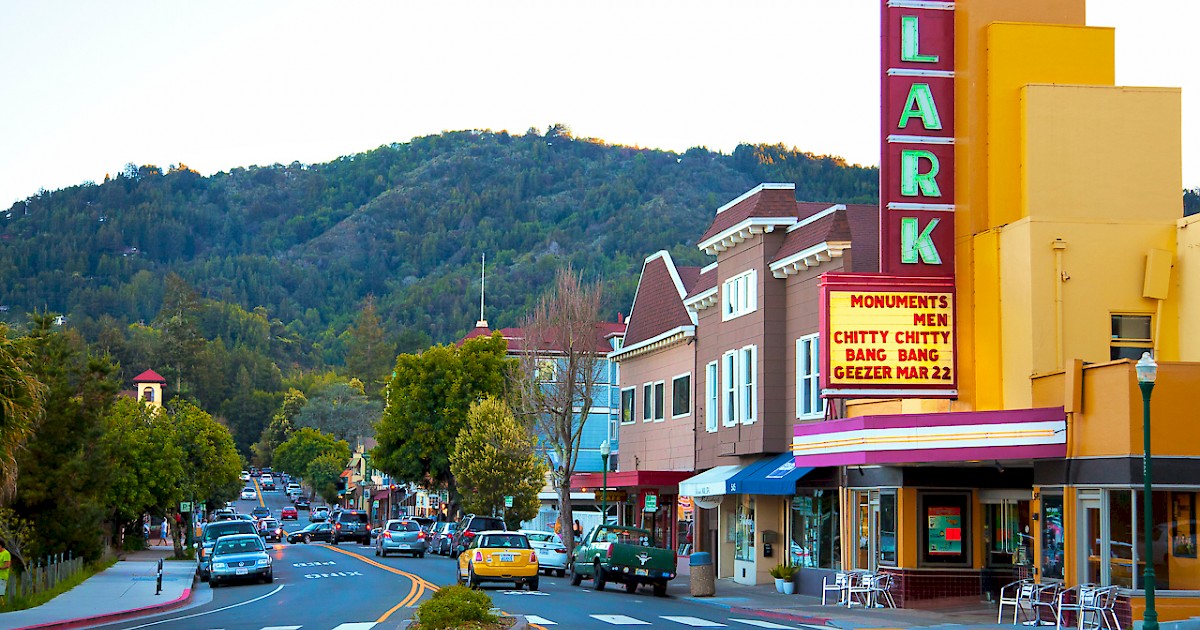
(214, 532)
(505, 541)
(484, 524)
(619, 536)
(239, 545)
(550, 538)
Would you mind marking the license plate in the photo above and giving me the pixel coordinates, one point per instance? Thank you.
(240, 571)
(641, 572)
(508, 557)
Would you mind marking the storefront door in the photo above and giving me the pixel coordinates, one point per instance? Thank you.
(866, 556)
(1091, 537)
(1007, 531)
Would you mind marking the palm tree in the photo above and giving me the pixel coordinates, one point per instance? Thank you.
(21, 406)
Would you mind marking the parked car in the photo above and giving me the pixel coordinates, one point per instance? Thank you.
(401, 536)
(288, 514)
(424, 521)
(319, 514)
(208, 539)
(551, 552)
(240, 557)
(498, 556)
(313, 532)
(351, 525)
(301, 503)
(614, 553)
(469, 527)
(245, 476)
(293, 489)
(439, 537)
(270, 530)
(261, 511)
(249, 494)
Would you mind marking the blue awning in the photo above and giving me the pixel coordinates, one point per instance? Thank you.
(772, 475)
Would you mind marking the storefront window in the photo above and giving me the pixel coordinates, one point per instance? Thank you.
(1006, 533)
(1120, 538)
(945, 519)
(887, 528)
(1052, 536)
(815, 541)
(743, 533)
(1176, 566)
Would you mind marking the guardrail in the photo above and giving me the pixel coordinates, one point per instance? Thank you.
(39, 578)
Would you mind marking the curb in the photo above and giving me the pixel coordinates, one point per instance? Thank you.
(84, 622)
(758, 612)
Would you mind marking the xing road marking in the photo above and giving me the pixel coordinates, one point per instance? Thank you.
(173, 619)
(318, 576)
(313, 564)
(524, 593)
(694, 622)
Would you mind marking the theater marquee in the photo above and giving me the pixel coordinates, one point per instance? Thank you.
(887, 336)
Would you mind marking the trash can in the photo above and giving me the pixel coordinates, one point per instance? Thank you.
(703, 579)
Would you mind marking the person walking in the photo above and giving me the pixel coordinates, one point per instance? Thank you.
(5, 564)
(146, 530)
(163, 532)
(578, 529)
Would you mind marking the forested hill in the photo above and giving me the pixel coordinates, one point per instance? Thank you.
(405, 223)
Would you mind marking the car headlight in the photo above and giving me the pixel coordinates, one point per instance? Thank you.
(218, 565)
(264, 562)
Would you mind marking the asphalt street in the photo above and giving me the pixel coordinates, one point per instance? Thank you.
(322, 587)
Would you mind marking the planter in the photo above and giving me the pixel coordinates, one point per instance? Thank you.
(789, 587)
(781, 584)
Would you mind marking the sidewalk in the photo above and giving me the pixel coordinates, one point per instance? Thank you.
(124, 590)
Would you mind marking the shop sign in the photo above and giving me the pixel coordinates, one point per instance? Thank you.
(916, 172)
(375, 503)
(802, 505)
(651, 503)
(612, 496)
(887, 337)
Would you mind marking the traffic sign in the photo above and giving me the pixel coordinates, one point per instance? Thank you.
(185, 506)
(508, 501)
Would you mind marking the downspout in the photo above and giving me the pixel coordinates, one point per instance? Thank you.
(1060, 279)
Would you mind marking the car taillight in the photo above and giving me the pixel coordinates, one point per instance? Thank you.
(561, 550)
(387, 535)
(533, 556)
(478, 556)
(368, 527)
(469, 534)
(420, 535)
(339, 526)
(609, 552)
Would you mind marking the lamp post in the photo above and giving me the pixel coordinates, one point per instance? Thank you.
(605, 451)
(1147, 371)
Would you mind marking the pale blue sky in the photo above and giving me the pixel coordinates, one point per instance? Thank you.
(90, 86)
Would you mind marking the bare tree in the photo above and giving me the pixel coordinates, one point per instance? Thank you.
(557, 374)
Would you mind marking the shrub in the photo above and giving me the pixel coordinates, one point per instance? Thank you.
(454, 606)
(783, 571)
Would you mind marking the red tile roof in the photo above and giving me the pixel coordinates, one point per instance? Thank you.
(857, 224)
(706, 281)
(149, 376)
(658, 304)
(761, 202)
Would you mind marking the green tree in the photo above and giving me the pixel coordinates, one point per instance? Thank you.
(280, 429)
(211, 464)
(306, 445)
(145, 463)
(181, 342)
(323, 473)
(342, 409)
(21, 406)
(494, 457)
(369, 353)
(428, 400)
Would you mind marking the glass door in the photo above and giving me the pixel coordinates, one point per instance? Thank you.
(866, 556)
(1091, 540)
(1007, 533)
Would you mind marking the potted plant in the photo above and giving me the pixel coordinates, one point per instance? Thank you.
(783, 574)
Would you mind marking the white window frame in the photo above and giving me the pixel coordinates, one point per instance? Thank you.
(748, 384)
(632, 405)
(647, 402)
(729, 413)
(739, 295)
(674, 382)
(660, 400)
(712, 388)
(808, 376)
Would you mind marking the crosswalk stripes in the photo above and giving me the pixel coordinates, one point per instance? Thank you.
(694, 622)
(281, 628)
(541, 621)
(362, 625)
(759, 623)
(620, 620)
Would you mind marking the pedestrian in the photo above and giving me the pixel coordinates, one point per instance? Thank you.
(146, 530)
(5, 563)
(578, 531)
(163, 532)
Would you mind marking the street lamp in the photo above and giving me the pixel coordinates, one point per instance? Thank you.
(605, 451)
(1147, 371)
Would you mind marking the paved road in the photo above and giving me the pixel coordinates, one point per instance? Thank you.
(321, 587)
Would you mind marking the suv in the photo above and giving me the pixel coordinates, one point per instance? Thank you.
(208, 540)
(351, 525)
(471, 525)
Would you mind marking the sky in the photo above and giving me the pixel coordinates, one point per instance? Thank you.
(87, 87)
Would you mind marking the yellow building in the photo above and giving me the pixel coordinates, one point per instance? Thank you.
(1071, 259)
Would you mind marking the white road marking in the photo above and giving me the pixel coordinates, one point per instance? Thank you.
(281, 628)
(620, 620)
(361, 625)
(694, 622)
(209, 612)
(524, 593)
(541, 621)
(762, 624)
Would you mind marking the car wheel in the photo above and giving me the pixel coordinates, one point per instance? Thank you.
(631, 586)
(307, 538)
(532, 584)
(203, 577)
(660, 589)
(421, 555)
(560, 572)
(576, 579)
(598, 580)
(472, 579)
(270, 577)
(212, 583)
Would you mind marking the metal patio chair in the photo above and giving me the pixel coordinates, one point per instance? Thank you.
(1019, 595)
(1075, 600)
(840, 585)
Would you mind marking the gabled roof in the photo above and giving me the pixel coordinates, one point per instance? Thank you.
(658, 303)
(705, 284)
(764, 208)
(149, 376)
(826, 235)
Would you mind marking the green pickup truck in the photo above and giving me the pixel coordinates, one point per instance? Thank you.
(612, 553)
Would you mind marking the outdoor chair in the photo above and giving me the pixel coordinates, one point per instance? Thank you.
(1076, 600)
(840, 585)
(862, 590)
(1019, 595)
(1044, 602)
(1101, 610)
(881, 590)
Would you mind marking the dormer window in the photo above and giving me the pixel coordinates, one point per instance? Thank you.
(739, 295)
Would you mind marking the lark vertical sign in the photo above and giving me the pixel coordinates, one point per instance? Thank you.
(916, 174)
(887, 337)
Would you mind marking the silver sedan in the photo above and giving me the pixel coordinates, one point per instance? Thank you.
(551, 552)
(401, 536)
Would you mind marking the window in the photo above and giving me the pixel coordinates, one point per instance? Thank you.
(545, 371)
(743, 528)
(652, 403)
(946, 517)
(1053, 543)
(712, 397)
(740, 295)
(1131, 336)
(728, 390)
(627, 405)
(808, 378)
(681, 395)
(658, 400)
(815, 540)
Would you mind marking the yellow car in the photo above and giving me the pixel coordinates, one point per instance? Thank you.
(496, 556)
